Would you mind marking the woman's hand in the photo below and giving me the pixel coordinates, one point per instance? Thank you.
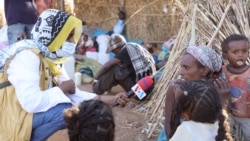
(68, 87)
(224, 90)
(222, 86)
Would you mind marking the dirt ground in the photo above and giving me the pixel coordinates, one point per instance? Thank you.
(130, 122)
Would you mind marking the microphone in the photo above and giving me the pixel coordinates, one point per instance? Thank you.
(139, 88)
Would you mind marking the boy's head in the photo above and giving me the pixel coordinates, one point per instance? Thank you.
(235, 49)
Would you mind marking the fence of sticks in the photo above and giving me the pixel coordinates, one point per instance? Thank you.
(204, 23)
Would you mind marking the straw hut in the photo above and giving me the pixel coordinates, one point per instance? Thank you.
(204, 23)
(146, 19)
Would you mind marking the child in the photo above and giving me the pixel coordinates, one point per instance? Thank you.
(235, 49)
(91, 121)
(201, 110)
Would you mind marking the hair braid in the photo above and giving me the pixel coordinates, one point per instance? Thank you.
(224, 128)
(200, 100)
(71, 120)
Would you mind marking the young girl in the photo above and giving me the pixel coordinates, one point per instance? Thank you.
(235, 49)
(201, 109)
(198, 63)
(91, 121)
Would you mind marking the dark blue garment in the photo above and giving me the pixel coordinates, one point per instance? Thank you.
(155, 56)
(20, 11)
(44, 124)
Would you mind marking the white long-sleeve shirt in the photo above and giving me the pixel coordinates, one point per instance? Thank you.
(23, 73)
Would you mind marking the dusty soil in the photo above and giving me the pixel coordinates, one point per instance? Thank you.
(130, 122)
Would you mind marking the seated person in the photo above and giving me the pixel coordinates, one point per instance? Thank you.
(131, 63)
(85, 45)
(152, 48)
(34, 85)
(166, 48)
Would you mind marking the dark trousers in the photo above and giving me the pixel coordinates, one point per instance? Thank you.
(107, 81)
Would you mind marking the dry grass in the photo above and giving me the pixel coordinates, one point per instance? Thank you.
(204, 22)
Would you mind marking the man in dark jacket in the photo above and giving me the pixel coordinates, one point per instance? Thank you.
(20, 15)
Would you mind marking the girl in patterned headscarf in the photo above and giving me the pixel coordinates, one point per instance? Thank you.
(198, 63)
(34, 86)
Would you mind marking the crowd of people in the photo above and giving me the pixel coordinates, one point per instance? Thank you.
(209, 99)
(36, 87)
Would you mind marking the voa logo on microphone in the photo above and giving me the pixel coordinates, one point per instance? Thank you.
(138, 91)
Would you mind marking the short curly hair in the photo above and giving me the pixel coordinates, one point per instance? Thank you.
(233, 37)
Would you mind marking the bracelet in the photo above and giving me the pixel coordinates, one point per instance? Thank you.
(95, 80)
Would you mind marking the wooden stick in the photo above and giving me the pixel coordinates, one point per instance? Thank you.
(220, 23)
(192, 40)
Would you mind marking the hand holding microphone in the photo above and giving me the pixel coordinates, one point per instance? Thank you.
(121, 99)
(139, 88)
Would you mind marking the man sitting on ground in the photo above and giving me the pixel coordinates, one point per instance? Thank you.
(131, 63)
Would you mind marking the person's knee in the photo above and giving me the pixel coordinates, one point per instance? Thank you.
(58, 115)
(97, 89)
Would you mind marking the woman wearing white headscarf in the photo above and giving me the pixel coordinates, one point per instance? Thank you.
(34, 86)
(198, 63)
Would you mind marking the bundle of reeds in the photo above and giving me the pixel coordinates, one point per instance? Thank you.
(204, 23)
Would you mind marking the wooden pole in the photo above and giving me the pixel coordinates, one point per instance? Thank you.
(220, 23)
(62, 5)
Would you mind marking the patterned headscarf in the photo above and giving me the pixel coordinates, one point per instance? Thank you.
(48, 34)
(206, 56)
(53, 27)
